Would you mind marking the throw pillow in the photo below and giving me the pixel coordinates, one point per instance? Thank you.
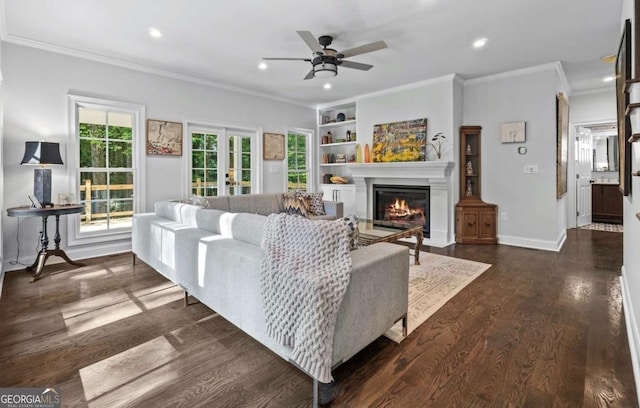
(296, 206)
(200, 201)
(351, 221)
(316, 205)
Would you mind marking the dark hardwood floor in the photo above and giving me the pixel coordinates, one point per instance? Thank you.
(538, 329)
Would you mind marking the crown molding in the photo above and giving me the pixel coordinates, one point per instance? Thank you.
(400, 88)
(593, 91)
(563, 78)
(553, 66)
(142, 68)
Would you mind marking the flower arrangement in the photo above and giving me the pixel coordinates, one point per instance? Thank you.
(438, 144)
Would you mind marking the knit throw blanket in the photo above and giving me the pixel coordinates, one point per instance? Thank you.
(304, 277)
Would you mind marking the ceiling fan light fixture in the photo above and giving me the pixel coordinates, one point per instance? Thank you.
(325, 70)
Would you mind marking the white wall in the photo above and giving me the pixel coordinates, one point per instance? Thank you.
(592, 107)
(529, 200)
(631, 261)
(36, 84)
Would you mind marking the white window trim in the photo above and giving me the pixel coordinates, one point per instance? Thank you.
(311, 158)
(74, 236)
(222, 128)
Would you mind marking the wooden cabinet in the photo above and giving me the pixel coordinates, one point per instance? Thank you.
(476, 221)
(606, 203)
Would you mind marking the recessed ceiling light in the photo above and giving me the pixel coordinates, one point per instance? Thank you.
(608, 79)
(262, 66)
(479, 43)
(155, 33)
(327, 86)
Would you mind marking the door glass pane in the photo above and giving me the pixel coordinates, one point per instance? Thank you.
(204, 164)
(239, 164)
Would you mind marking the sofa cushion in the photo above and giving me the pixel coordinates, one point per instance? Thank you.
(219, 203)
(316, 205)
(296, 206)
(209, 220)
(246, 227)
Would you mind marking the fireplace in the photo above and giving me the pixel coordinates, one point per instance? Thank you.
(396, 205)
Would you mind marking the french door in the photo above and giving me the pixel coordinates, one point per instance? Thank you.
(223, 161)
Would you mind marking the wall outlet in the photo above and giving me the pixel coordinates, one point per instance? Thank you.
(530, 169)
(503, 216)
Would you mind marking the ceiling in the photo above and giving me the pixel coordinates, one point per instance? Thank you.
(222, 41)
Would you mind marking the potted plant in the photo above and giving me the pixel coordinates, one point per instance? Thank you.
(438, 144)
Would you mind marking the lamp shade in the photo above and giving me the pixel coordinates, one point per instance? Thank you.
(41, 153)
(325, 70)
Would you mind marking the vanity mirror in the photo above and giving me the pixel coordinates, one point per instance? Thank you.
(605, 153)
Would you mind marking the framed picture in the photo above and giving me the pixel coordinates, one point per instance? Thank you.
(401, 141)
(34, 201)
(164, 138)
(562, 144)
(512, 132)
(623, 73)
(273, 146)
(66, 199)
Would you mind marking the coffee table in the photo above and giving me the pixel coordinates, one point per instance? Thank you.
(371, 232)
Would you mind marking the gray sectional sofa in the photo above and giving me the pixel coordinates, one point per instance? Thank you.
(216, 256)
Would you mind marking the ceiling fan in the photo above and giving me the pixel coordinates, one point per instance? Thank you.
(324, 61)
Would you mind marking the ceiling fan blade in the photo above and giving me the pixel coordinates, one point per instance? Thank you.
(356, 65)
(374, 46)
(309, 75)
(287, 59)
(310, 40)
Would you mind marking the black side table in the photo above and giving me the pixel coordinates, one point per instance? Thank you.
(45, 253)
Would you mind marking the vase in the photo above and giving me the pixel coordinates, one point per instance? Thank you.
(358, 153)
(367, 153)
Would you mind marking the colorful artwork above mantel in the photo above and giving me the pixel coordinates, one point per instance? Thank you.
(400, 141)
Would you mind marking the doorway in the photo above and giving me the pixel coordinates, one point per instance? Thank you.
(598, 200)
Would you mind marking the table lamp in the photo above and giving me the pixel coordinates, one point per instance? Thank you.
(42, 153)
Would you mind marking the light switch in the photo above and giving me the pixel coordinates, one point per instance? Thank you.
(530, 169)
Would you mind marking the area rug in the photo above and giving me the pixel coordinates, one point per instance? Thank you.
(597, 226)
(433, 283)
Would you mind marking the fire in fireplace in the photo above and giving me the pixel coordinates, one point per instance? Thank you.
(400, 205)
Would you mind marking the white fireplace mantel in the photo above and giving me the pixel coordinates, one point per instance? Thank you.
(427, 169)
(436, 174)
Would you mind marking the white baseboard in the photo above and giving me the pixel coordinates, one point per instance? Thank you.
(75, 253)
(533, 243)
(632, 329)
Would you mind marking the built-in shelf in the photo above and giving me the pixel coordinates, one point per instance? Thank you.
(342, 123)
(630, 82)
(337, 144)
(631, 107)
(333, 164)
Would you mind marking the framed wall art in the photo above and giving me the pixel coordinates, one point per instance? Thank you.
(562, 144)
(623, 73)
(164, 138)
(273, 146)
(512, 132)
(400, 141)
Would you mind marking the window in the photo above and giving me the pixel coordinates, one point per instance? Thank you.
(204, 164)
(104, 156)
(298, 160)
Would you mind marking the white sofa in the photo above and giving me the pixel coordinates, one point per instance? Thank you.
(216, 257)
